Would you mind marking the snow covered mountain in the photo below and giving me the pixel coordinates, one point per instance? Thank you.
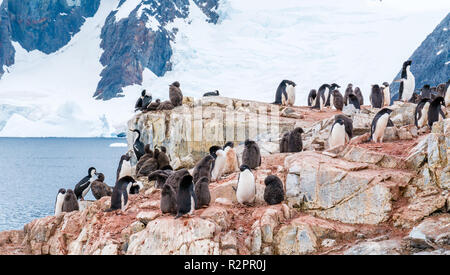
(76, 67)
(431, 61)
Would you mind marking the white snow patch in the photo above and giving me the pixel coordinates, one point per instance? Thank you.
(448, 62)
(118, 145)
(125, 9)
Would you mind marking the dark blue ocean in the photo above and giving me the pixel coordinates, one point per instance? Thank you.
(33, 169)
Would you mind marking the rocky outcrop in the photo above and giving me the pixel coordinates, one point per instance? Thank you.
(363, 198)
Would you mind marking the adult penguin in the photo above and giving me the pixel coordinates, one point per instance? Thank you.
(219, 165)
(70, 202)
(213, 149)
(246, 187)
(421, 113)
(284, 143)
(337, 100)
(59, 201)
(322, 96)
(295, 143)
(338, 135)
(119, 197)
(425, 92)
(435, 112)
(348, 124)
(148, 155)
(138, 146)
(312, 97)
(202, 193)
(379, 124)
(215, 93)
(124, 168)
(175, 95)
(285, 94)
(99, 188)
(251, 156)
(359, 95)
(386, 94)
(407, 82)
(232, 162)
(160, 176)
(353, 100)
(376, 97)
(203, 168)
(84, 185)
(347, 93)
(274, 191)
(186, 199)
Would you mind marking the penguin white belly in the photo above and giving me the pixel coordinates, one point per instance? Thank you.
(409, 86)
(192, 206)
(380, 127)
(424, 119)
(219, 165)
(447, 97)
(122, 202)
(290, 90)
(313, 102)
(125, 170)
(387, 96)
(337, 136)
(85, 191)
(283, 99)
(245, 192)
(59, 203)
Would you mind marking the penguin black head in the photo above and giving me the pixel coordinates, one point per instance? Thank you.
(298, 130)
(385, 84)
(272, 179)
(248, 142)
(143, 93)
(158, 100)
(386, 111)
(350, 85)
(62, 191)
(156, 152)
(244, 167)
(176, 84)
(126, 180)
(339, 121)
(92, 171)
(407, 63)
(352, 97)
(217, 92)
(213, 150)
(228, 144)
(100, 177)
(163, 149)
(334, 86)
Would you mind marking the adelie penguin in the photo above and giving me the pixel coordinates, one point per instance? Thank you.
(322, 96)
(124, 168)
(154, 105)
(336, 100)
(284, 143)
(251, 156)
(353, 100)
(339, 135)
(215, 93)
(347, 93)
(202, 192)
(59, 201)
(175, 95)
(376, 97)
(150, 165)
(386, 94)
(285, 94)
(70, 202)
(379, 124)
(143, 101)
(295, 143)
(99, 188)
(359, 95)
(435, 112)
(274, 192)
(83, 187)
(407, 82)
(219, 165)
(160, 176)
(333, 87)
(246, 187)
(148, 155)
(204, 168)
(421, 113)
(186, 199)
(168, 202)
(119, 197)
(425, 92)
(163, 159)
(138, 146)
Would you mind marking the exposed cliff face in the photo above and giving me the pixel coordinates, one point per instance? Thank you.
(365, 198)
(431, 61)
(145, 38)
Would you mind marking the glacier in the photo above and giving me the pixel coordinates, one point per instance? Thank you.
(254, 45)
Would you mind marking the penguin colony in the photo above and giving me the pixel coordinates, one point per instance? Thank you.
(182, 193)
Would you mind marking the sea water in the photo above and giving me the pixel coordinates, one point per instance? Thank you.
(32, 170)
